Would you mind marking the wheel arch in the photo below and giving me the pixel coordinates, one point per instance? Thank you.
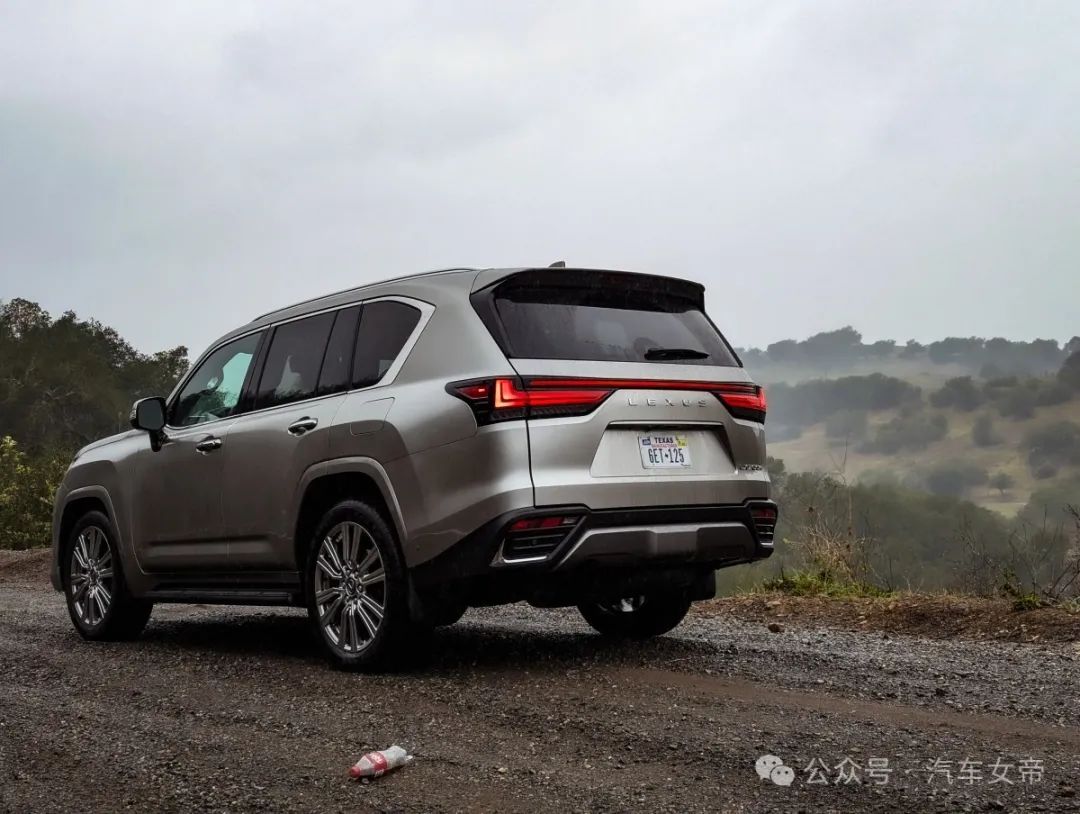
(328, 483)
(76, 504)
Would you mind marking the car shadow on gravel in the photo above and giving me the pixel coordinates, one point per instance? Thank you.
(462, 647)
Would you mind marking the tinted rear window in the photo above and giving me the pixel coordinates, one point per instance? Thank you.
(613, 318)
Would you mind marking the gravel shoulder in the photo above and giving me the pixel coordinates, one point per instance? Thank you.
(517, 709)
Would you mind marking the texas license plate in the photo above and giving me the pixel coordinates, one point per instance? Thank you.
(664, 450)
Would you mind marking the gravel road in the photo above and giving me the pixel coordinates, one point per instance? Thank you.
(219, 709)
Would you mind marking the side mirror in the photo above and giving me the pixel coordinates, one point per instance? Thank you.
(149, 415)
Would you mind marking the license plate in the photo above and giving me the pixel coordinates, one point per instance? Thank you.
(664, 450)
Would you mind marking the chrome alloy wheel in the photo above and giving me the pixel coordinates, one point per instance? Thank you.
(92, 581)
(350, 587)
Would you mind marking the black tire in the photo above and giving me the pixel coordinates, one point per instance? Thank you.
(342, 641)
(637, 618)
(86, 588)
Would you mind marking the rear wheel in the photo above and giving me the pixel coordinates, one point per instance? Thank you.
(356, 588)
(98, 601)
(636, 617)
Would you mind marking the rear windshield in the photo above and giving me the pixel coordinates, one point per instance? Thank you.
(610, 318)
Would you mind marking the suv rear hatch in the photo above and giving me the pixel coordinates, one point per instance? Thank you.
(632, 397)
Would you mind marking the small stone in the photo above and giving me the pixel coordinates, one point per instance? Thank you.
(775, 627)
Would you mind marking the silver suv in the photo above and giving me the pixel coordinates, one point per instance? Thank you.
(391, 455)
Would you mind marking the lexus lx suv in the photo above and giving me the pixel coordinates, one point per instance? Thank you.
(391, 455)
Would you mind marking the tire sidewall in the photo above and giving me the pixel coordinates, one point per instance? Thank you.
(396, 611)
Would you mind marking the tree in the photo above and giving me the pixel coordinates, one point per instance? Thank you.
(955, 478)
(833, 347)
(1069, 375)
(1002, 481)
(786, 350)
(65, 382)
(912, 349)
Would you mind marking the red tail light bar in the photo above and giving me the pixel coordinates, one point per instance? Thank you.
(506, 399)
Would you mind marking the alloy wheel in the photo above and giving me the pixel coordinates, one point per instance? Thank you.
(92, 581)
(350, 587)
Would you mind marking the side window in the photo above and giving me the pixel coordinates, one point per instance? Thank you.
(214, 389)
(339, 353)
(292, 364)
(384, 328)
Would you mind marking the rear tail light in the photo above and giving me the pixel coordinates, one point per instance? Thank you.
(534, 538)
(764, 517)
(506, 399)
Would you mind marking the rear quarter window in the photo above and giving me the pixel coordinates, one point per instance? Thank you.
(603, 316)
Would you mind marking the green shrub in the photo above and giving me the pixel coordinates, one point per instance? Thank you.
(913, 431)
(27, 488)
(961, 393)
(1018, 403)
(1054, 445)
(810, 583)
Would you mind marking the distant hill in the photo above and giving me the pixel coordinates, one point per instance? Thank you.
(993, 421)
(842, 352)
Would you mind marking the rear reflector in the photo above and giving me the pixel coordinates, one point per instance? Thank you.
(535, 538)
(506, 399)
(764, 517)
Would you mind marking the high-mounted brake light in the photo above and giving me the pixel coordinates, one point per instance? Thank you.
(505, 399)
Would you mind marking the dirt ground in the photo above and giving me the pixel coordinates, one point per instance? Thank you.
(517, 709)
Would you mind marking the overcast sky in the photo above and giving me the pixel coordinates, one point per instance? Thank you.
(912, 169)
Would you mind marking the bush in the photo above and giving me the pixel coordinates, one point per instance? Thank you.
(955, 478)
(27, 488)
(820, 583)
(847, 425)
(1053, 444)
(983, 433)
(915, 430)
(1052, 392)
(813, 401)
(1018, 403)
(1044, 471)
(961, 393)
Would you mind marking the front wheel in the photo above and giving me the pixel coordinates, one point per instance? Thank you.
(357, 588)
(98, 601)
(636, 617)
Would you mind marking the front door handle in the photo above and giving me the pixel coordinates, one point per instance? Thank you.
(208, 445)
(303, 425)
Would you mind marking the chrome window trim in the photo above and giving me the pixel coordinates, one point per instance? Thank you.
(426, 309)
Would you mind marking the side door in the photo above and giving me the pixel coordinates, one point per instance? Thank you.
(299, 391)
(176, 511)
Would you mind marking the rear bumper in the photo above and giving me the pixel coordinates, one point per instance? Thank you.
(627, 545)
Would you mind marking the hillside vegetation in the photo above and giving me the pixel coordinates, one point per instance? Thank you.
(993, 421)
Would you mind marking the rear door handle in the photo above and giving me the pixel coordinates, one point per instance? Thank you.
(303, 425)
(208, 445)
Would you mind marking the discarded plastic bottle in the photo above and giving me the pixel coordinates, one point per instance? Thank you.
(376, 764)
